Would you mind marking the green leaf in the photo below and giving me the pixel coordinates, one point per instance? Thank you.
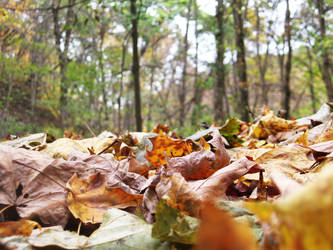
(173, 225)
(230, 127)
(122, 230)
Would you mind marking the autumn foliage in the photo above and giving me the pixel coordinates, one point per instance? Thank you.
(261, 185)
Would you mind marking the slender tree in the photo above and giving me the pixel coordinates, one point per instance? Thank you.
(243, 101)
(220, 67)
(286, 92)
(183, 88)
(62, 51)
(326, 62)
(136, 65)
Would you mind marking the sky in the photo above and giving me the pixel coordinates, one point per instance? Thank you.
(207, 51)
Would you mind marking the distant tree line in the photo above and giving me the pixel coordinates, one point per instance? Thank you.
(128, 65)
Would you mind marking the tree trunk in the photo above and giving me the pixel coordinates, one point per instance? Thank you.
(243, 101)
(262, 66)
(286, 93)
(197, 86)
(326, 64)
(136, 67)
(182, 92)
(220, 68)
(62, 53)
(310, 82)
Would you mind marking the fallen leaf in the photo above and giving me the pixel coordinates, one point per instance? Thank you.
(21, 227)
(304, 218)
(90, 198)
(285, 184)
(174, 226)
(217, 184)
(62, 147)
(59, 238)
(322, 115)
(218, 230)
(201, 164)
(122, 230)
(187, 196)
(270, 124)
(163, 146)
(15, 242)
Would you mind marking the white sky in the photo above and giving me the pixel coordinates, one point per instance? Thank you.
(207, 52)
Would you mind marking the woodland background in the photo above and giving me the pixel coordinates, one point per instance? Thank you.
(127, 65)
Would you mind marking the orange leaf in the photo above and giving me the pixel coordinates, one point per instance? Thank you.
(22, 227)
(164, 146)
(218, 230)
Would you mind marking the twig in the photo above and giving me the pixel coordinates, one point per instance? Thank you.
(5, 208)
(110, 146)
(90, 130)
(79, 228)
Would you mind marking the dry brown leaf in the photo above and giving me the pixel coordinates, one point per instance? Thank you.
(90, 198)
(290, 160)
(62, 147)
(201, 164)
(137, 167)
(216, 185)
(270, 124)
(21, 227)
(285, 184)
(187, 196)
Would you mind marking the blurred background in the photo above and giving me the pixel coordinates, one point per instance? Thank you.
(129, 65)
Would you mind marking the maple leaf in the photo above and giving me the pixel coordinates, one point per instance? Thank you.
(162, 147)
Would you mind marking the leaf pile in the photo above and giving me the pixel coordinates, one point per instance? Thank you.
(265, 185)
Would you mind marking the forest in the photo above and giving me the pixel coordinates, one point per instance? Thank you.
(166, 124)
(129, 65)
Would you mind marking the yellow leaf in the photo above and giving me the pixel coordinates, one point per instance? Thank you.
(90, 198)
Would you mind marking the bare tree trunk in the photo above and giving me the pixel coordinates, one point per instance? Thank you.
(219, 64)
(197, 86)
(121, 83)
(262, 66)
(286, 93)
(182, 92)
(326, 63)
(241, 62)
(62, 53)
(136, 66)
(310, 82)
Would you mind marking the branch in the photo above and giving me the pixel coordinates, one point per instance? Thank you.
(46, 8)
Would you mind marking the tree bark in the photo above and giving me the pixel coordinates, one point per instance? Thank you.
(62, 53)
(326, 63)
(219, 64)
(243, 101)
(286, 93)
(136, 67)
(197, 86)
(182, 92)
(261, 65)
(310, 82)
